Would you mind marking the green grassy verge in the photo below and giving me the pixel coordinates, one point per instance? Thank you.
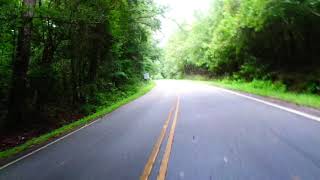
(269, 89)
(68, 128)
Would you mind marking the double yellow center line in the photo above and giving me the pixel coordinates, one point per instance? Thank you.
(156, 148)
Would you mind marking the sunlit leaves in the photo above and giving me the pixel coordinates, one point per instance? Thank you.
(273, 33)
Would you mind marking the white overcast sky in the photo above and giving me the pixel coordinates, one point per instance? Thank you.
(180, 11)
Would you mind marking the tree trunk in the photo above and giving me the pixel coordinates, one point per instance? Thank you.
(17, 99)
(97, 46)
(49, 47)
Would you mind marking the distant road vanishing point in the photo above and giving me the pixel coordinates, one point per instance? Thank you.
(182, 130)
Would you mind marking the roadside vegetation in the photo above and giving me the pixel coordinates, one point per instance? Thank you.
(65, 63)
(270, 89)
(267, 88)
(266, 47)
(126, 97)
(61, 61)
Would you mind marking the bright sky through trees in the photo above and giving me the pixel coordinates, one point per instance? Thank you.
(179, 11)
(248, 40)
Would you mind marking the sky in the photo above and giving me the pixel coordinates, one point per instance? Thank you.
(179, 11)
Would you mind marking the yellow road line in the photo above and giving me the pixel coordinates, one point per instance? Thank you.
(166, 156)
(156, 148)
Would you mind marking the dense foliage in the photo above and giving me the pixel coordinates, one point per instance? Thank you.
(69, 57)
(275, 40)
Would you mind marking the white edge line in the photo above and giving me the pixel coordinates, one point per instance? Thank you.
(272, 104)
(59, 139)
(226, 90)
(49, 144)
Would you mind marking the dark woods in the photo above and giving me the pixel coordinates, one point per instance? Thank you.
(61, 60)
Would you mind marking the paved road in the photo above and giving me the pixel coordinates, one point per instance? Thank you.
(211, 134)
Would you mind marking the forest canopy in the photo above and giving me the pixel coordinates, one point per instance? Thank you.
(61, 61)
(250, 39)
(70, 57)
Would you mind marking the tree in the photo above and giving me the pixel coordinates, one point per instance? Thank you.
(250, 39)
(18, 90)
(71, 57)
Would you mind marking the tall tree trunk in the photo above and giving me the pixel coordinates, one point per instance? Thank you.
(97, 48)
(49, 47)
(74, 61)
(17, 99)
(43, 91)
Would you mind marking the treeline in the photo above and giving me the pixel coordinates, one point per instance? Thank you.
(63, 59)
(276, 40)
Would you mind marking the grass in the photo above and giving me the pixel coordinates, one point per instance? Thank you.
(269, 89)
(81, 122)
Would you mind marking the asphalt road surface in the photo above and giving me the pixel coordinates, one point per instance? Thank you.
(183, 130)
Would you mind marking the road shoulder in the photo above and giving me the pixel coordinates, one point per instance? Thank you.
(38, 143)
(283, 103)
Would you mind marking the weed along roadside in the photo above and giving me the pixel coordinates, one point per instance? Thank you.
(142, 90)
(237, 89)
(268, 89)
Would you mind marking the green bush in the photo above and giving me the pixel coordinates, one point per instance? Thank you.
(274, 86)
(88, 109)
(313, 87)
